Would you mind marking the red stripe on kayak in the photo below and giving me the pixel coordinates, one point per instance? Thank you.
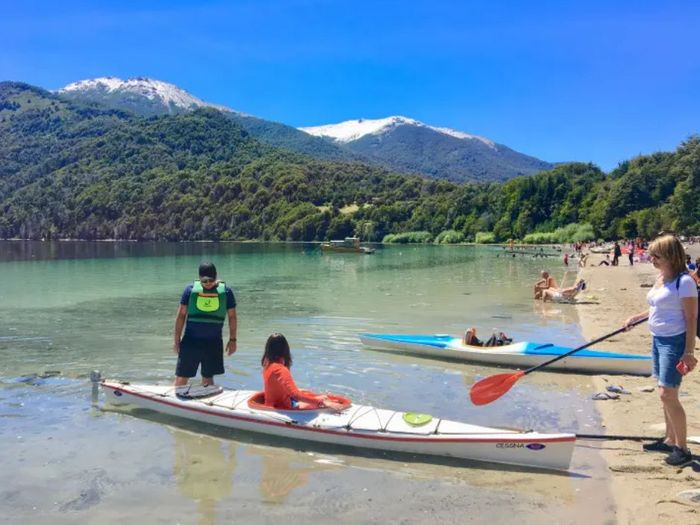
(348, 433)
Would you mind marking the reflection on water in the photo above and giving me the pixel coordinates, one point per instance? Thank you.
(203, 470)
(122, 460)
(552, 313)
(282, 472)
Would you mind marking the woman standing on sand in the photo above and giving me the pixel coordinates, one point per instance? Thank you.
(673, 311)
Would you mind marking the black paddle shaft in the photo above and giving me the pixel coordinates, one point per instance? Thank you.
(590, 343)
(603, 437)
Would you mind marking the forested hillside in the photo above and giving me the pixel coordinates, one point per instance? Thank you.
(68, 170)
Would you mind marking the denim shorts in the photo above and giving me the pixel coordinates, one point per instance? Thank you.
(665, 354)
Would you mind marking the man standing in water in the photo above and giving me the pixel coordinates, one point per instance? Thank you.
(204, 307)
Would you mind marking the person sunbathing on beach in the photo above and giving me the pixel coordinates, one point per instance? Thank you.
(499, 339)
(563, 295)
(546, 281)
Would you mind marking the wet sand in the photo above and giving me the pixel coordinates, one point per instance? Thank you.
(646, 490)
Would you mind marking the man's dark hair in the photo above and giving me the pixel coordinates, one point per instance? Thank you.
(207, 269)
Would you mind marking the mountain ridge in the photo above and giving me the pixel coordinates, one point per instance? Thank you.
(351, 130)
(406, 144)
(397, 143)
(148, 97)
(160, 95)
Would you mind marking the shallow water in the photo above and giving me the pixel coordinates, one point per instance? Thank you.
(68, 308)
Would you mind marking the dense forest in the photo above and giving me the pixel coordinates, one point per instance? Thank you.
(74, 171)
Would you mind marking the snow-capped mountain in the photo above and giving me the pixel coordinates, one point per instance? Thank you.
(399, 143)
(406, 144)
(351, 130)
(145, 96)
(149, 97)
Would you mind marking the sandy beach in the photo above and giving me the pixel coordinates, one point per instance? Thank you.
(645, 489)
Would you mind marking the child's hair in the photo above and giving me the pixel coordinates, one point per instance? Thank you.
(277, 347)
(670, 248)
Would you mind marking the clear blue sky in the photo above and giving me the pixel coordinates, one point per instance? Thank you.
(596, 81)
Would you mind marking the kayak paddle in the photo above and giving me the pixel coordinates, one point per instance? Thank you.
(604, 437)
(491, 388)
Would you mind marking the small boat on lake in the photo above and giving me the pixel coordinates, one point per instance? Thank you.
(515, 355)
(360, 426)
(347, 245)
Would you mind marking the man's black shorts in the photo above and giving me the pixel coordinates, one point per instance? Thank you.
(193, 351)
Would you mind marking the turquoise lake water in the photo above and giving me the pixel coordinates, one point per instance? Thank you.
(71, 307)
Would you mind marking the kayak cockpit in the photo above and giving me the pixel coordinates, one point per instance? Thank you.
(257, 402)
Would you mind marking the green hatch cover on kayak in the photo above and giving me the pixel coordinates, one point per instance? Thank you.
(417, 420)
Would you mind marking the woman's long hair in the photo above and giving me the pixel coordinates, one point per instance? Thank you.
(276, 347)
(670, 248)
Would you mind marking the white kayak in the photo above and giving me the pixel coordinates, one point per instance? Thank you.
(356, 426)
(516, 355)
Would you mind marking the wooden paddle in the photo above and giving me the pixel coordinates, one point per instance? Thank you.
(491, 388)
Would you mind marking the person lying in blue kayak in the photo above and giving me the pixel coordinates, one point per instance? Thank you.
(280, 389)
(499, 339)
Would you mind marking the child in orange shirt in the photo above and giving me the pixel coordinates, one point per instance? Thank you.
(280, 390)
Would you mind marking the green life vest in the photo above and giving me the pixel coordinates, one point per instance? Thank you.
(207, 306)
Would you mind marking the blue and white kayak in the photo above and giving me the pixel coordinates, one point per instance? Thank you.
(516, 355)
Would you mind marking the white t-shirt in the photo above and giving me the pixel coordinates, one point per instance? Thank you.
(666, 316)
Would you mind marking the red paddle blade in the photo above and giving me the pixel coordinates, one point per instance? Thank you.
(491, 388)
